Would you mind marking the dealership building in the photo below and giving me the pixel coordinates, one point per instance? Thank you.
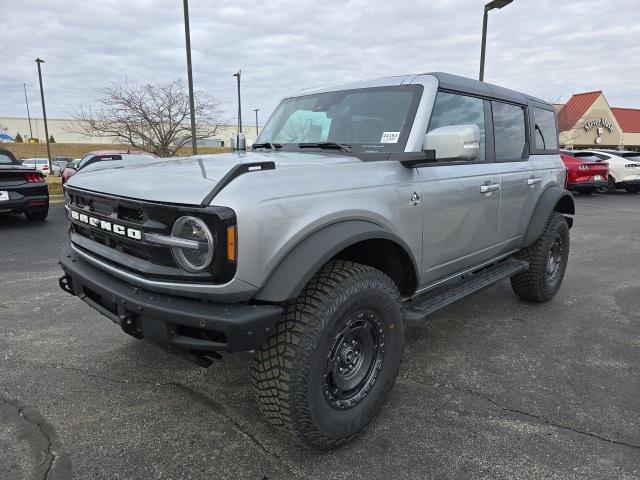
(587, 121)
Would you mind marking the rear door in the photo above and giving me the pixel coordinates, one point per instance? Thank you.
(461, 199)
(519, 178)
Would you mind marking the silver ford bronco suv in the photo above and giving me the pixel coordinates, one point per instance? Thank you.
(361, 207)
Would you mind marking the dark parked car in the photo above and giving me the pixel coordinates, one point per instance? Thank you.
(22, 188)
(100, 156)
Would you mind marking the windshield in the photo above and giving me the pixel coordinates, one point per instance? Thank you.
(366, 120)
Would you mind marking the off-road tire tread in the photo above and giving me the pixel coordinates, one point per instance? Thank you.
(530, 284)
(275, 377)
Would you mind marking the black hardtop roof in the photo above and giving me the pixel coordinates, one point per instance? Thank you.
(449, 81)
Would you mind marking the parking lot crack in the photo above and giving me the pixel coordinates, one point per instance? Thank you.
(531, 416)
(219, 408)
(31, 416)
(195, 395)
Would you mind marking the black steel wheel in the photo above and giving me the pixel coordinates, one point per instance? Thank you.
(354, 360)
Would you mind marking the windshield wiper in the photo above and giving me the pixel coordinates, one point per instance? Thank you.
(272, 146)
(343, 147)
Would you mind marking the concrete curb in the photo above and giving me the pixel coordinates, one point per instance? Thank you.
(56, 199)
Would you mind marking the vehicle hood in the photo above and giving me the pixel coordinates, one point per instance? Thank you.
(186, 180)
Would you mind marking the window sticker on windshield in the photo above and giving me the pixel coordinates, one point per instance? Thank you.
(390, 137)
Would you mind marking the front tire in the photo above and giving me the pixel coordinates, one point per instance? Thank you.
(611, 185)
(547, 258)
(330, 366)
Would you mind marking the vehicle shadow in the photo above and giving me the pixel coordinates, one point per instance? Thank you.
(13, 220)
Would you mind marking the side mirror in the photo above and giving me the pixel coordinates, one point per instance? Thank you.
(457, 142)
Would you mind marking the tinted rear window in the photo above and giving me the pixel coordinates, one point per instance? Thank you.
(545, 129)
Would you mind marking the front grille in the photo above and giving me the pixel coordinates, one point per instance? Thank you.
(136, 254)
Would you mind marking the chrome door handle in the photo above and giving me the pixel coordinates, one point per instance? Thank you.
(489, 188)
(534, 181)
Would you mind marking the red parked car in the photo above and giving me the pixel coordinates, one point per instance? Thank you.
(585, 174)
(100, 156)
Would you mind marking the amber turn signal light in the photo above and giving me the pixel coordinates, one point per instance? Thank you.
(231, 243)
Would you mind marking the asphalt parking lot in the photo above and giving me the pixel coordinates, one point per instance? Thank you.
(492, 387)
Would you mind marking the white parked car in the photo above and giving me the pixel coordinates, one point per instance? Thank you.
(41, 164)
(624, 167)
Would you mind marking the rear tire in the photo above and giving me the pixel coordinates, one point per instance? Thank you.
(37, 214)
(633, 188)
(547, 258)
(611, 185)
(334, 358)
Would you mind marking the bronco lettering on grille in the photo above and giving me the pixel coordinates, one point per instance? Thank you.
(107, 226)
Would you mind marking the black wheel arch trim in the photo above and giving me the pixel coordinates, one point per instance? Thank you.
(291, 275)
(554, 198)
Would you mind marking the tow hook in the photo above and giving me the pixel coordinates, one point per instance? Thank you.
(66, 284)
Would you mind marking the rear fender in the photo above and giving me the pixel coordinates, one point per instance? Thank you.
(552, 199)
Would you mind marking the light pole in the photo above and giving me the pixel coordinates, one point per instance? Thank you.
(256, 110)
(487, 8)
(237, 75)
(187, 35)
(26, 100)
(44, 113)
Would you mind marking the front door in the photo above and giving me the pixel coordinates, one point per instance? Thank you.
(461, 200)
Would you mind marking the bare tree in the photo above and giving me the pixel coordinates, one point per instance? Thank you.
(150, 117)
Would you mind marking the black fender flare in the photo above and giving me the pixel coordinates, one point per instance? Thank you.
(552, 199)
(292, 274)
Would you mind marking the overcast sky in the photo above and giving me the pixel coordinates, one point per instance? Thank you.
(546, 48)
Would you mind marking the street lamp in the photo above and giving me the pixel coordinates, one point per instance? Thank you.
(44, 113)
(495, 4)
(187, 35)
(256, 110)
(26, 101)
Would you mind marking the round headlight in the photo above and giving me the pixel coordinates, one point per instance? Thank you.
(197, 252)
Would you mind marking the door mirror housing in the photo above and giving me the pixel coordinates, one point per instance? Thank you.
(454, 143)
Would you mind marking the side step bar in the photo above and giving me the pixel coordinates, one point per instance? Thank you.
(418, 309)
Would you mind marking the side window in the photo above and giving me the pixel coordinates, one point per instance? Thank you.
(545, 129)
(509, 131)
(455, 109)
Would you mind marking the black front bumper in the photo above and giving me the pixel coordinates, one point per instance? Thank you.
(177, 324)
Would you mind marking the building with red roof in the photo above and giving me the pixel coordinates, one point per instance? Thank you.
(588, 121)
